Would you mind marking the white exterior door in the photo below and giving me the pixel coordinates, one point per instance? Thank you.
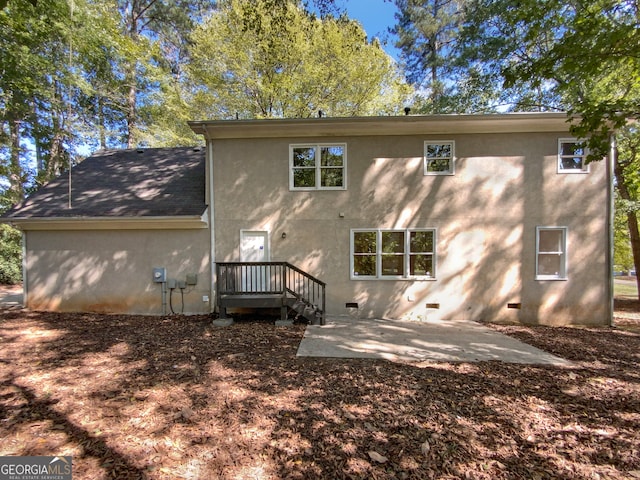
(254, 247)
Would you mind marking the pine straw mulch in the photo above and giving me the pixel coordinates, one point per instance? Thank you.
(166, 398)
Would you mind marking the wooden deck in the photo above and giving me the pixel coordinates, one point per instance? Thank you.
(256, 301)
(270, 285)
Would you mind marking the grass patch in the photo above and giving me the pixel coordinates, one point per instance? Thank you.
(625, 288)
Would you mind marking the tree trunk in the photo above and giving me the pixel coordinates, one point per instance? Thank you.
(57, 156)
(37, 139)
(436, 93)
(138, 9)
(131, 108)
(634, 235)
(632, 218)
(102, 124)
(16, 175)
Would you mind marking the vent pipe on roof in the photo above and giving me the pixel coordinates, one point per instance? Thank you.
(406, 110)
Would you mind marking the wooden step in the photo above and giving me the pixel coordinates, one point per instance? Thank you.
(255, 301)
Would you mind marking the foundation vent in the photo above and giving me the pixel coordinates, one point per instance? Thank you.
(433, 305)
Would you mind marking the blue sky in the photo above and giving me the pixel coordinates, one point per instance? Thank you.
(376, 16)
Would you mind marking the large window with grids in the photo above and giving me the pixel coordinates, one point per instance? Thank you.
(318, 167)
(378, 254)
(551, 253)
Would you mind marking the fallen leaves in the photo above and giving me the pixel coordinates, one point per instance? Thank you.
(425, 448)
(376, 457)
(173, 397)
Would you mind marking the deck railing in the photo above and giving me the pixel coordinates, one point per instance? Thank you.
(270, 278)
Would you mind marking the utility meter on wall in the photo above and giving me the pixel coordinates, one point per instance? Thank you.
(159, 274)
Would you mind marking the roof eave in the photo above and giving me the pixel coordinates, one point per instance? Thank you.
(399, 125)
(182, 222)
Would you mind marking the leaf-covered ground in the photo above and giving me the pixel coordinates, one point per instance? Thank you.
(147, 397)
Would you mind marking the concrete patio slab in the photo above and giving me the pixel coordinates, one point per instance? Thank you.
(407, 341)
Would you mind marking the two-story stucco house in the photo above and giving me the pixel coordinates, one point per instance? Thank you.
(493, 218)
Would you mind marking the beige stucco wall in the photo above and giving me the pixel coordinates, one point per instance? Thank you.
(485, 215)
(111, 270)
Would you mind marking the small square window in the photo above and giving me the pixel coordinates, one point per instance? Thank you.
(439, 157)
(551, 253)
(317, 167)
(572, 156)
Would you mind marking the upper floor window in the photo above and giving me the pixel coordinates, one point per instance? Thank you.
(551, 253)
(318, 167)
(439, 157)
(392, 254)
(572, 156)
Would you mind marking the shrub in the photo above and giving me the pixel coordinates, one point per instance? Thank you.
(10, 255)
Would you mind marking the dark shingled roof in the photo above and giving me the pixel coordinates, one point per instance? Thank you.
(148, 182)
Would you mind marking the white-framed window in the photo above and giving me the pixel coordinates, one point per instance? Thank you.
(551, 253)
(572, 156)
(395, 254)
(439, 157)
(318, 167)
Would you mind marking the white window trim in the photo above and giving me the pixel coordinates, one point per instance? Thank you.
(406, 254)
(452, 165)
(317, 147)
(563, 267)
(585, 166)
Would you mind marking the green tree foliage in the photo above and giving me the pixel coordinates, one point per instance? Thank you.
(432, 44)
(29, 36)
(155, 36)
(596, 67)
(578, 56)
(10, 255)
(623, 255)
(627, 174)
(51, 55)
(581, 55)
(427, 33)
(82, 73)
(499, 36)
(98, 59)
(268, 59)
